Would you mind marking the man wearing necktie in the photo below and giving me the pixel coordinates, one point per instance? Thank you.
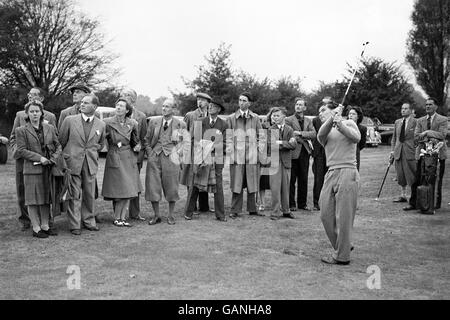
(162, 141)
(430, 126)
(190, 119)
(304, 132)
(403, 150)
(82, 136)
(245, 149)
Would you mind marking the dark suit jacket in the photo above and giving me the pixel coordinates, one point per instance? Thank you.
(318, 151)
(286, 148)
(76, 148)
(438, 131)
(216, 133)
(308, 133)
(141, 119)
(29, 147)
(408, 145)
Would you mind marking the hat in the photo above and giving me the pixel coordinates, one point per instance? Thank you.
(219, 102)
(81, 86)
(204, 96)
(248, 95)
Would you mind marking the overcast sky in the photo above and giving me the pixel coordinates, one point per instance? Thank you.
(161, 41)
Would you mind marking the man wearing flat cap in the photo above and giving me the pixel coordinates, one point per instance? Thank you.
(245, 148)
(208, 173)
(190, 118)
(78, 92)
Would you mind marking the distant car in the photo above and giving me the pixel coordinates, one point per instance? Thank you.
(103, 113)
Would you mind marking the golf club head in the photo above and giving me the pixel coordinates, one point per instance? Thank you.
(376, 199)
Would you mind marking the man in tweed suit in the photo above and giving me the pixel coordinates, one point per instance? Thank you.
(82, 136)
(403, 150)
(20, 120)
(163, 144)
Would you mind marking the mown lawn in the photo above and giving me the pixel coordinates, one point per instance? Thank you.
(246, 258)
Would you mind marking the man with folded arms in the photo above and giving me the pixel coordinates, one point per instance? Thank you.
(280, 180)
(339, 195)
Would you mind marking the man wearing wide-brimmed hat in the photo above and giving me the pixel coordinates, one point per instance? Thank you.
(190, 118)
(213, 129)
(78, 91)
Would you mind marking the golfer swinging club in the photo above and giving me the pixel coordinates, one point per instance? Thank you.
(338, 197)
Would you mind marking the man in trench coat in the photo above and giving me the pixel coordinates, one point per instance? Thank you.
(245, 148)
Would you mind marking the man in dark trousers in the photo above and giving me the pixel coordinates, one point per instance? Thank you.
(190, 118)
(213, 129)
(433, 125)
(319, 167)
(304, 132)
(20, 120)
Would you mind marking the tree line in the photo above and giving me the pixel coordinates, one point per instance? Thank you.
(52, 44)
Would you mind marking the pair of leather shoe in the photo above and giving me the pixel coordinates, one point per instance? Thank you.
(91, 228)
(233, 215)
(316, 208)
(256, 214)
(288, 215)
(139, 218)
(51, 232)
(171, 220)
(40, 234)
(76, 232)
(331, 260)
(223, 219)
(154, 220)
(187, 217)
(306, 208)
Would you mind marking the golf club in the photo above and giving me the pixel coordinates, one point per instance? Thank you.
(354, 73)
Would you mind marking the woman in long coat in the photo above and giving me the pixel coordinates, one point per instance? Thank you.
(121, 180)
(38, 144)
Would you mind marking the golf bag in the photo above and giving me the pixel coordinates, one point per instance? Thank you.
(425, 191)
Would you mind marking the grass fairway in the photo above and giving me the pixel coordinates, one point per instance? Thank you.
(246, 258)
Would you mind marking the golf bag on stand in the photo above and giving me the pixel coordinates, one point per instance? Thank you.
(425, 190)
